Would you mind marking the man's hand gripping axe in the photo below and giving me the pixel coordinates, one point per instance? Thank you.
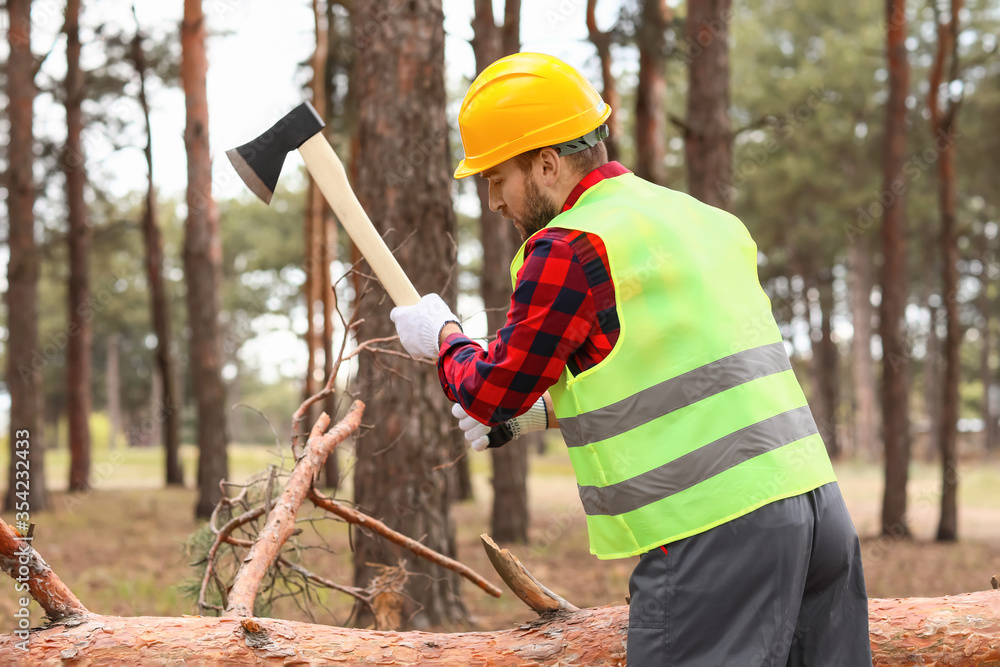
(259, 164)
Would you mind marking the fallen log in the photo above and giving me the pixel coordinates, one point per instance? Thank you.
(952, 631)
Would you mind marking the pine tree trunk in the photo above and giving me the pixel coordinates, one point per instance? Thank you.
(327, 23)
(985, 349)
(319, 253)
(866, 407)
(929, 449)
(155, 401)
(602, 42)
(500, 241)
(651, 94)
(708, 137)
(404, 183)
(895, 356)
(943, 127)
(24, 360)
(78, 353)
(166, 413)
(314, 201)
(113, 388)
(829, 368)
(202, 267)
(331, 468)
(994, 442)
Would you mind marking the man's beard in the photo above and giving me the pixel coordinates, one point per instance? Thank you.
(538, 210)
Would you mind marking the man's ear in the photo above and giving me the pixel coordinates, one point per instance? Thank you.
(549, 166)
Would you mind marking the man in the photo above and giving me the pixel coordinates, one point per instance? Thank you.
(639, 310)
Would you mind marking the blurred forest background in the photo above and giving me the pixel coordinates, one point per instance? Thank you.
(162, 338)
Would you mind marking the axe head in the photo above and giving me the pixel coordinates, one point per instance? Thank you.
(259, 162)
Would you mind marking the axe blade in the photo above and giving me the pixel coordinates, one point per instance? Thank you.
(259, 162)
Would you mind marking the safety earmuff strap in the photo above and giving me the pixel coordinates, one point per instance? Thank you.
(583, 143)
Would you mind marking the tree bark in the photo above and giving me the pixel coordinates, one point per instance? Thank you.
(166, 413)
(986, 347)
(829, 367)
(602, 42)
(994, 306)
(36, 578)
(78, 353)
(943, 126)
(651, 93)
(932, 384)
(895, 355)
(500, 241)
(202, 267)
(863, 367)
(331, 469)
(113, 388)
(404, 183)
(25, 361)
(952, 631)
(708, 137)
(321, 244)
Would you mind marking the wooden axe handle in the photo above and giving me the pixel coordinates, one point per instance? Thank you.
(329, 174)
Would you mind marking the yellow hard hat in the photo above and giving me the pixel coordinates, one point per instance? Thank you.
(522, 102)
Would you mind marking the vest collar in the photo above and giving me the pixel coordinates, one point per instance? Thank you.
(609, 170)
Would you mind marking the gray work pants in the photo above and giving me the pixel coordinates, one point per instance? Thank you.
(780, 587)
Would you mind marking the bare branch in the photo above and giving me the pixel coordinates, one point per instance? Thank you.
(521, 582)
(422, 550)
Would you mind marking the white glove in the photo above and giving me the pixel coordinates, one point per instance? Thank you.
(420, 325)
(535, 419)
(477, 434)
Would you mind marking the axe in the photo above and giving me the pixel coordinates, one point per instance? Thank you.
(259, 164)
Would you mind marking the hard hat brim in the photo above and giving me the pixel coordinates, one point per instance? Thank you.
(478, 164)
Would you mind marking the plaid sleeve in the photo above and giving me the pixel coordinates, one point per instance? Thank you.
(552, 312)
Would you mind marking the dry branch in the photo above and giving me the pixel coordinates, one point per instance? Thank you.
(281, 520)
(222, 536)
(524, 585)
(355, 592)
(46, 588)
(353, 516)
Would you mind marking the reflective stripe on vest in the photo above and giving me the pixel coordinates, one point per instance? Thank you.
(697, 466)
(695, 417)
(674, 394)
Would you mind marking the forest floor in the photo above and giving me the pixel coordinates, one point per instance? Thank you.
(120, 546)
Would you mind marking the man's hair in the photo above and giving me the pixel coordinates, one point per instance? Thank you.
(582, 163)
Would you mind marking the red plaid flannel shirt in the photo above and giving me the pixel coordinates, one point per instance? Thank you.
(562, 312)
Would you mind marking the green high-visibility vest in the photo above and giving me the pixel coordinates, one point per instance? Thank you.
(695, 418)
